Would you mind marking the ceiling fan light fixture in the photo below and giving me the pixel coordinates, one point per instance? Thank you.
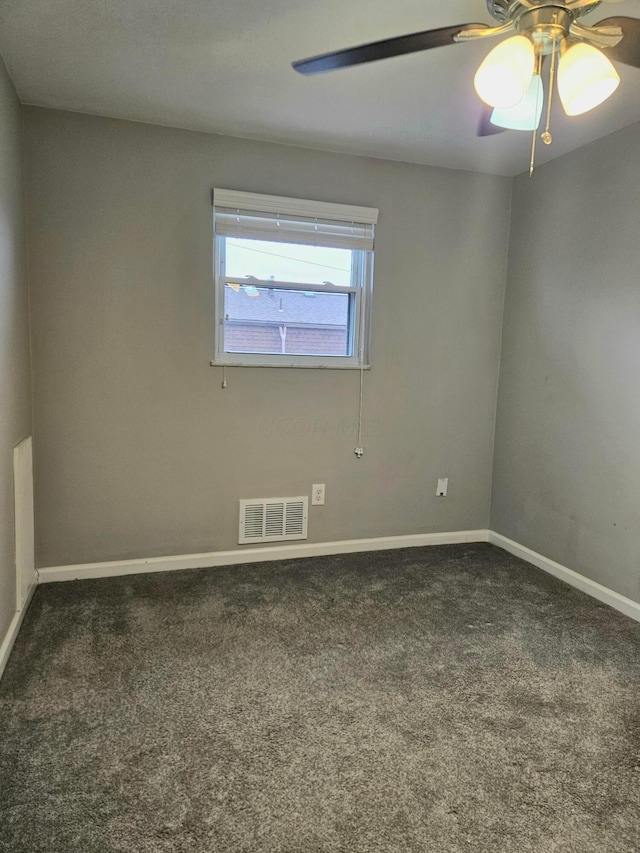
(586, 78)
(505, 74)
(525, 115)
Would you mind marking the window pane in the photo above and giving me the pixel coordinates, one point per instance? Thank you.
(287, 262)
(293, 322)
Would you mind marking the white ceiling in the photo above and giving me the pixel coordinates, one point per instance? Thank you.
(224, 66)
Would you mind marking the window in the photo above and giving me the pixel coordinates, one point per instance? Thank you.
(293, 281)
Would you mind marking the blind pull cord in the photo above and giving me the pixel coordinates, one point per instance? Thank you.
(359, 450)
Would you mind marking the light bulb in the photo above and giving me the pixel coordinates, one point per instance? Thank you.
(526, 114)
(586, 78)
(505, 75)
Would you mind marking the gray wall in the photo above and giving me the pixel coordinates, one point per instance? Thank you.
(140, 452)
(15, 388)
(567, 453)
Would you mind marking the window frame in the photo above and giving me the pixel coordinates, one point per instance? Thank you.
(360, 292)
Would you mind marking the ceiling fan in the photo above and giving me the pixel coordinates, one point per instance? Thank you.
(509, 79)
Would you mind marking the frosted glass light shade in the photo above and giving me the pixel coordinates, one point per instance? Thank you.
(525, 115)
(505, 75)
(586, 78)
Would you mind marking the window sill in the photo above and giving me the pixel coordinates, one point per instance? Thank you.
(294, 365)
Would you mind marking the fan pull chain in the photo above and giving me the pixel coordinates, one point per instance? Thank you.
(534, 139)
(547, 138)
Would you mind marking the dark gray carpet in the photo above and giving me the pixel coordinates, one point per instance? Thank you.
(434, 699)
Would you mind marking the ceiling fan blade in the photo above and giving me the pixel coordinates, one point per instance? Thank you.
(382, 49)
(485, 127)
(579, 5)
(628, 50)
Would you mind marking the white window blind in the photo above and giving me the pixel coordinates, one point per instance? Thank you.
(285, 220)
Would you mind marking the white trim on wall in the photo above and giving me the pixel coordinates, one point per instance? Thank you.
(214, 559)
(14, 628)
(24, 522)
(595, 590)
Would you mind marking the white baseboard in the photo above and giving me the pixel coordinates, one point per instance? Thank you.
(214, 559)
(14, 628)
(254, 555)
(595, 590)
